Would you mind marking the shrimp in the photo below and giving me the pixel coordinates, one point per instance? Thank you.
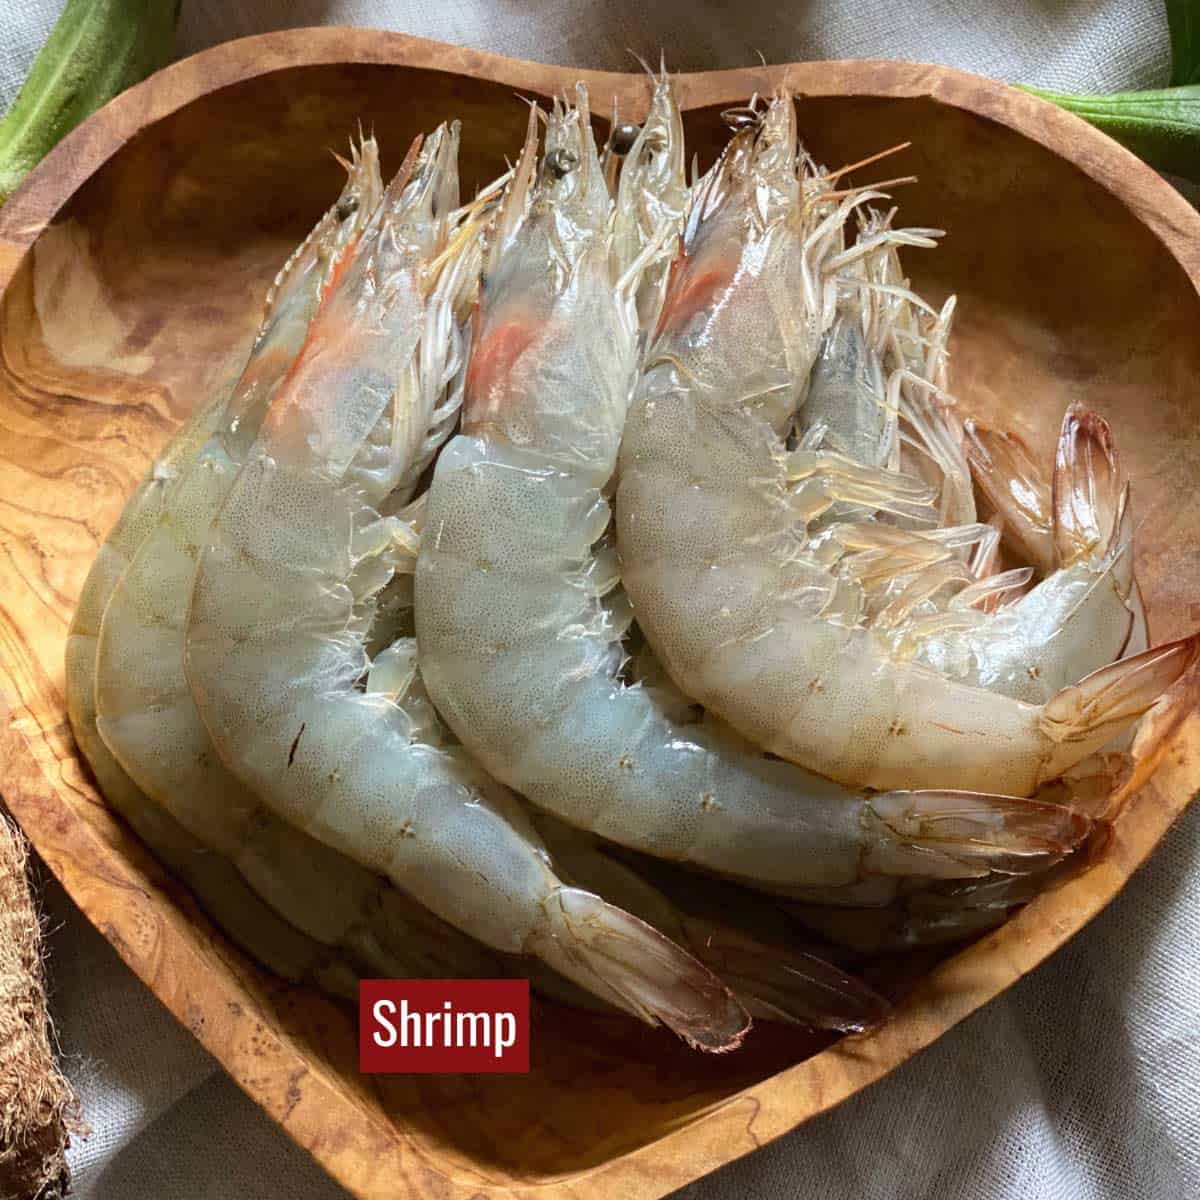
(215, 883)
(327, 898)
(712, 513)
(144, 712)
(281, 606)
(518, 650)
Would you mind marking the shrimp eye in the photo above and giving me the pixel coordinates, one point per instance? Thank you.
(740, 118)
(561, 161)
(347, 208)
(623, 136)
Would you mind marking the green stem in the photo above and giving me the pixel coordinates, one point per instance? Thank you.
(1162, 126)
(97, 49)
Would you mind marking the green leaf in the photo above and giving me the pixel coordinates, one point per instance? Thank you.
(1183, 20)
(97, 49)
(1163, 126)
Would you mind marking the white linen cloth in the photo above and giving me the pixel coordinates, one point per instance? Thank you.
(1080, 1083)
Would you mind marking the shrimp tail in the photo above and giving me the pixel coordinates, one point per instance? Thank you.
(957, 834)
(1093, 787)
(788, 985)
(1006, 473)
(1089, 493)
(933, 915)
(872, 931)
(1080, 719)
(628, 962)
(1155, 733)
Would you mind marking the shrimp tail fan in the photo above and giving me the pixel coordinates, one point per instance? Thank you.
(871, 931)
(781, 983)
(1155, 734)
(956, 834)
(1082, 718)
(641, 971)
(1089, 489)
(1008, 475)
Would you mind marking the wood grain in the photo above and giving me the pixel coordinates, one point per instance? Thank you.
(132, 265)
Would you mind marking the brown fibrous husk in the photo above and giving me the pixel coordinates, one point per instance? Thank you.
(38, 1109)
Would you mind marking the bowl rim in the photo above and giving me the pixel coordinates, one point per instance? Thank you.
(31, 763)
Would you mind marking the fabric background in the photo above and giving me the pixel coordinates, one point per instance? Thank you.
(1080, 1083)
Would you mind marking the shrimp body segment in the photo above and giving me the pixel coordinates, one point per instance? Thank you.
(713, 512)
(519, 651)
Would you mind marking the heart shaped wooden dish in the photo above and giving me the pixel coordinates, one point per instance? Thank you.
(133, 265)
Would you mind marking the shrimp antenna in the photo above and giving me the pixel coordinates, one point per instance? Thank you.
(866, 162)
(533, 104)
(483, 197)
(897, 182)
(641, 62)
(892, 289)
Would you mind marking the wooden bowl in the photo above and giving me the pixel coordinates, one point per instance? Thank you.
(133, 265)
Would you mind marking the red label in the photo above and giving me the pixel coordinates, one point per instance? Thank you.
(443, 1025)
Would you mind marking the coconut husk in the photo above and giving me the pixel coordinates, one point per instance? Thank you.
(37, 1106)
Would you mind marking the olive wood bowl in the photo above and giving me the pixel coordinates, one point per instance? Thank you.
(133, 264)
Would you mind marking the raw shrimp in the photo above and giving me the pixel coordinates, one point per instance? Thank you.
(280, 609)
(329, 897)
(1084, 613)
(518, 650)
(711, 528)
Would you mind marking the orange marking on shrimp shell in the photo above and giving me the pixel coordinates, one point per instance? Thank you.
(492, 363)
(690, 292)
